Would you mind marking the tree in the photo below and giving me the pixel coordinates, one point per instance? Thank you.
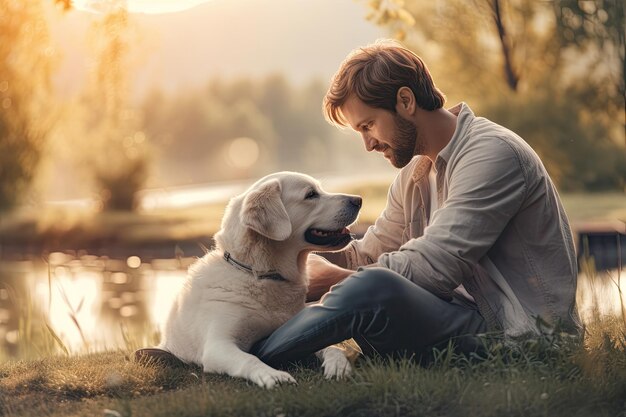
(598, 29)
(295, 114)
(196, 132)
(507, 56)
(568, 146)
(477, 45)
(25, 68)
(114, 148)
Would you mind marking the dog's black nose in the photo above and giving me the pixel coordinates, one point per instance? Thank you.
(356, 201)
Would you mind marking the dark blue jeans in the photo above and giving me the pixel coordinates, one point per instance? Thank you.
(385, 313)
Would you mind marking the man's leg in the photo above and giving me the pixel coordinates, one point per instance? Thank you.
(384, 312)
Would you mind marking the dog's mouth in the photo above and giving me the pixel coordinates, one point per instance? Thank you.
(321, 237)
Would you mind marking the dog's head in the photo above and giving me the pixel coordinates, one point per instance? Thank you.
(293, 208)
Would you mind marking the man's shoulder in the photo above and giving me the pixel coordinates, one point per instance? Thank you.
(476, 133)
(481, 127)
(489, 143)
(486, 134)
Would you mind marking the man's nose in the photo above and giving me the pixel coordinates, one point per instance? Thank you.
(370, 142)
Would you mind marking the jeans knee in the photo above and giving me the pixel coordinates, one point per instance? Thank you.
(369, 287)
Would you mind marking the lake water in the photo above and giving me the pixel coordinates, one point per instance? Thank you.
(92, 303)
(95, 303)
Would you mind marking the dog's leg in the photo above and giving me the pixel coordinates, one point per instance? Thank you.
(225, 357)
(335, 363)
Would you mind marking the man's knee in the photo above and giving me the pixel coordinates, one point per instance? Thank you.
(369, 287)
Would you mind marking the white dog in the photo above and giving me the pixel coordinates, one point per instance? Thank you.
(255, 279)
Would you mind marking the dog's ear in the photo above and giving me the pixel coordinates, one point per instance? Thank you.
(264, 212)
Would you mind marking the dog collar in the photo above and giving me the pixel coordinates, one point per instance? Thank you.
(273, 275)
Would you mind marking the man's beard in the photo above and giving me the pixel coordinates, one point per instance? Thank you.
(406, 142)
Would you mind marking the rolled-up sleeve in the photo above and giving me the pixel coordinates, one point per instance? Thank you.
(486, 189)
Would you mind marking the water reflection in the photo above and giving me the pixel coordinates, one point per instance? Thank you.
(17, 310)
(89, 302)
(95, 303)
(601, 294)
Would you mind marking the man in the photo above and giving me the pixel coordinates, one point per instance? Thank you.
(473, 239)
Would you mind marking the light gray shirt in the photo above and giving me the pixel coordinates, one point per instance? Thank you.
(500, 230)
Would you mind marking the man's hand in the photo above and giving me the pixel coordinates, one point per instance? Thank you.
(323, 275)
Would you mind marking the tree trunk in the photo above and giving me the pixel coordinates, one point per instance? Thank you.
(512, 78)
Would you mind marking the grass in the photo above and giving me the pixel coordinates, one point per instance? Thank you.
(565, 379)
(557, 375)
(582, 207)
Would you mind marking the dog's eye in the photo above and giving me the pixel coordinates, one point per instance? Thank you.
(311, 194)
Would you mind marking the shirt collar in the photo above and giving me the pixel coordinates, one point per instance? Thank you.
(464, 115)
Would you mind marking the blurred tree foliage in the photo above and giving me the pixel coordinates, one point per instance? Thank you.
(552, 71)
(25, 115)
(195, 133)
(597, 30)
(114, 149)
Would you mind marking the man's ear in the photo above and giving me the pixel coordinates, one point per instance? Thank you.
(405, 101)
(264, 212)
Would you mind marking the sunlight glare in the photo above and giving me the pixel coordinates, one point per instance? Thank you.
(243, 153)
(133, 262)
(78, 297)
(166, 286)
(137, 6)
(601, 294)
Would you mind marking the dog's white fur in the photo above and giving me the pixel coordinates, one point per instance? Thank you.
(222, 310)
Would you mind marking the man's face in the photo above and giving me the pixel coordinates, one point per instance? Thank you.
(383, 131)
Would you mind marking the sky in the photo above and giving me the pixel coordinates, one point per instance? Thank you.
(182, 50)
(139, 6)
(303, 39)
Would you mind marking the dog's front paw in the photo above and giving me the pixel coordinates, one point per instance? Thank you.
(268, 378)
(336, 365)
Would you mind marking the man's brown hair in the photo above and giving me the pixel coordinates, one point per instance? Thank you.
(375, 73)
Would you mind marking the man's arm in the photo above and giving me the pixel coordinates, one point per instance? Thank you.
(386, 234)
(322, 276)
(337, 258)
(486, 190)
